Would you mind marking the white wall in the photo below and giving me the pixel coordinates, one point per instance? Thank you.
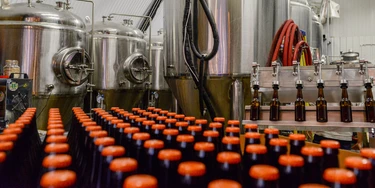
(105, 7)
(355, 29)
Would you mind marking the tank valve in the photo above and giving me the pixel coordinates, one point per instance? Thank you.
(50, 87)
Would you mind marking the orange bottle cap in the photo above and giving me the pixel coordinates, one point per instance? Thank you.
(271, 131)
(141, 111)
(89, 123)
(291, 160)
(230, 140)
(300, 137)
(170, 121)
(57, 139)
(98, 134)
(224, 183)
(251, 126)
(153, 116)
(57, 161)
(146, 113)
(171, 114)
(133, 117)
(93, 128)
(123, 112)
(3, 156)
(116, 151)
(110, 118)
(23, 121)
(215, 125)
(163, 112)
(204, 146)
(55, 132)
(189, 118)
(196, 128)
(101, 113)
(360, 163)
(85, 119)
(172, 132)
(116, 121)
(6, 146)
(169, 154)
(140, 119)
(148, 122)
(313, 185)
(201, 121)
(56, 148)
(264, 172)
(16, 125)
(368, 153)
(161, 118)
(219, 119)
(58, 178)
(157, 109)
(158, 126)
(211, 133)
(256, 148)
(128, 114)
(151, 108)
(337, 175)
(55, 126)
(228, 157)
(123, 125)
(312, 151)
(8, 137)
(158, 144)
(140, 181)
(114, 108)
(182, 124)
(54, 122)
(16, 131)
(185, 138)
(135, 109)
(252, 135)
(330, 144)
(123, 165)
(179, 116)
(278, 142)
(233, 122)
(131, 130)
(54, 118)
(191, 168)
(232, 130)
(105, 141)
(141, 136)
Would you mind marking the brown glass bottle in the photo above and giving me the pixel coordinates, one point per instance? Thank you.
(345, 104)
(275, 104)
(299, 105)
(255, 105)
(369, 104)
(361, 168)
(321, 105)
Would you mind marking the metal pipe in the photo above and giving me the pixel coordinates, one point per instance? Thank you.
(29, 3)
(237, 100)
(137, 16)
(92, 51)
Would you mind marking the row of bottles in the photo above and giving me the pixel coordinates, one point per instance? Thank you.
(321, 104)
(165, 149)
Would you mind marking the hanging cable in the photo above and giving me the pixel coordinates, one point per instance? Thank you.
(191, 44)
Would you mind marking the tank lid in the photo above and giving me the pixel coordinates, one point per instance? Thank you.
(114, 28)
(40, 13)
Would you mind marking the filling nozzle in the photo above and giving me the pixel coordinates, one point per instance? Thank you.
(319, 64)
(296, 70)
(256, 73)
(275, 73)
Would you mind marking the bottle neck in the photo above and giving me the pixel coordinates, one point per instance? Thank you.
(344, 93)
(299, 92)
(275, 92)
(369, 91)
(320, 92)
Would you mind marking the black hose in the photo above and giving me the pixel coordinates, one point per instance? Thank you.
(151, 11)
(190, 43)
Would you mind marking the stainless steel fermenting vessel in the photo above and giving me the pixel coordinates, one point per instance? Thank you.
(121, 66)
(49, 43)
